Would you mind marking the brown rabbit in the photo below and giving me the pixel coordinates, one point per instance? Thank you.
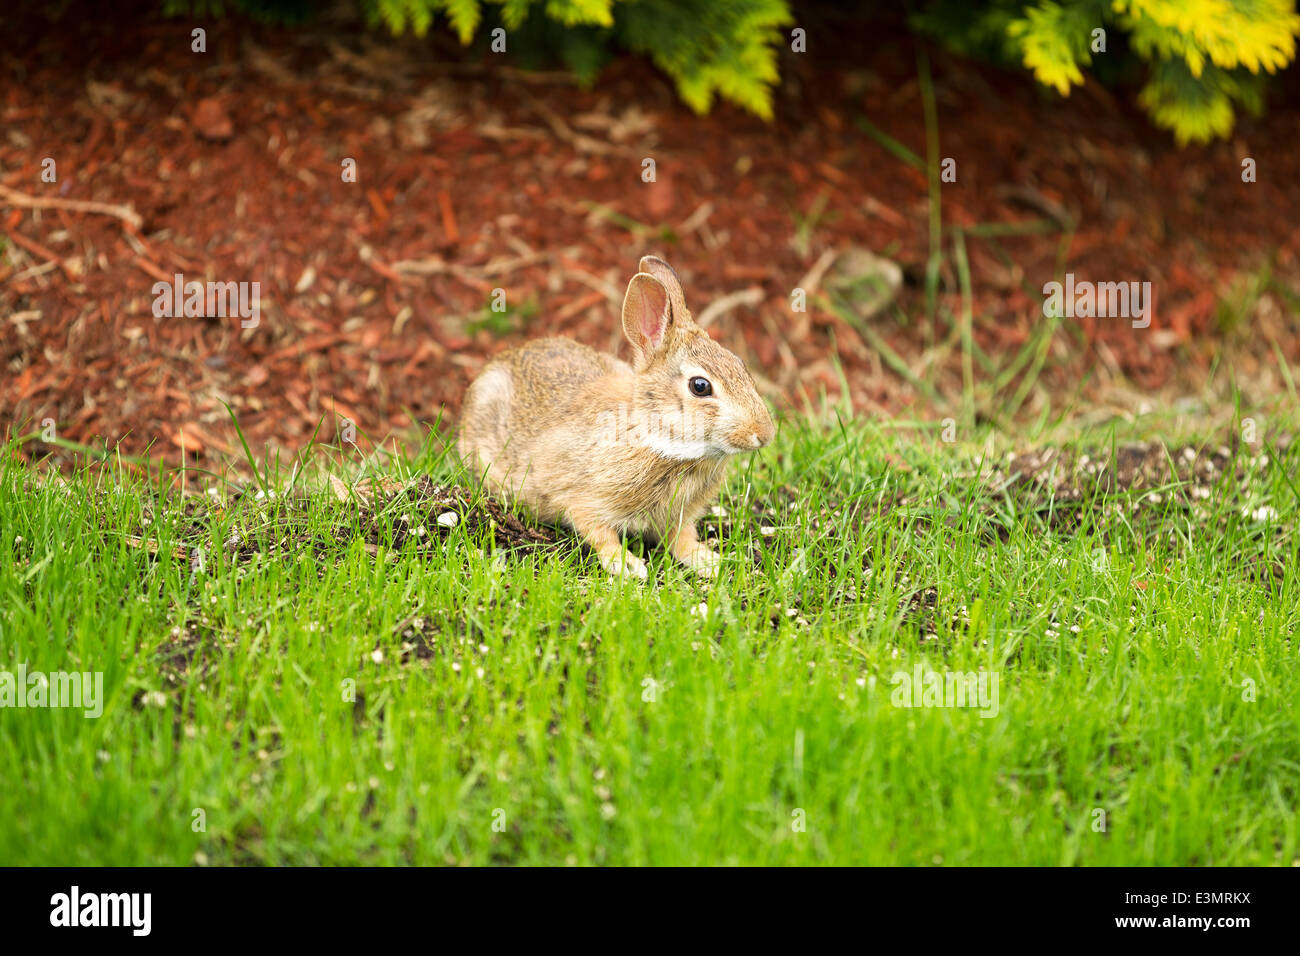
(606, 447)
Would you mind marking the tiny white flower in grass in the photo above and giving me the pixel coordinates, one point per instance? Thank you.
(479, 672)
(448, 519)
(608, 811)
(155, 698)
(420, 531)
(861, 682)
(700, 610)
(455, 665)
(377, 655)
(1264, 513)
(766, 530)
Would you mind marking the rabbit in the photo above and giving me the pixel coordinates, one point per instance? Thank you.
(607, 447)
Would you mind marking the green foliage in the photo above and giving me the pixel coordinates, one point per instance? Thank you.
(268, 11)
(1204, 58)
(710, 48)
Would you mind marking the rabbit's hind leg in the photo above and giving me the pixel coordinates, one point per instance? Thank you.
(485, 422)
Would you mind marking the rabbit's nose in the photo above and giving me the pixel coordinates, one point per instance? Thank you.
(759, 438)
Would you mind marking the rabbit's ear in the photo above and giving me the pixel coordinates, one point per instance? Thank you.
(667, 275)
(647, 317)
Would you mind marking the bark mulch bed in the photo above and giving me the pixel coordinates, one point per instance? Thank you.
(473, 176)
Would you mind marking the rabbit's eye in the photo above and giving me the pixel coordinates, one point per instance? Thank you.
(701, 386)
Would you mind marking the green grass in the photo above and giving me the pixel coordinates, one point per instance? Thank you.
(594, 721)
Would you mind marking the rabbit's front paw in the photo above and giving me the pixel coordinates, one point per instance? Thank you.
(703, 562)
(624, 562)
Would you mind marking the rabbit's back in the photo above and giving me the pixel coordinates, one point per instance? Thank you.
(549, 371)
(522, 394)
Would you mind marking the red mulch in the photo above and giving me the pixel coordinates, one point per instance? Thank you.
(472, 176)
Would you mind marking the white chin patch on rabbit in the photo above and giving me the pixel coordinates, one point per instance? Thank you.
(681, 449)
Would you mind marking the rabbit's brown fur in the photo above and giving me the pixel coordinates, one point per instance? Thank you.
(607, 447)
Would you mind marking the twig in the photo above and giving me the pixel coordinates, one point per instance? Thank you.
(448, 216)
(751, 297)
(12, 197)
(597, 283)
(696, 219)
(812, 279)
(49, 255)
(435, 265)
(584, 144)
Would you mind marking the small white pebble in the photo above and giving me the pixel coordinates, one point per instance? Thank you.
(448, 519)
